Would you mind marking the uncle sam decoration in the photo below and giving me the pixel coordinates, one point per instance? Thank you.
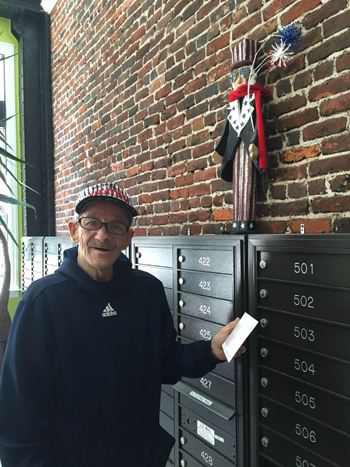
(242, 149)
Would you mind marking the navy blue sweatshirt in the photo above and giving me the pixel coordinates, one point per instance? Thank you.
(81, 381)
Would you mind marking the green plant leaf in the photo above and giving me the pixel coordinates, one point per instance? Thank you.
(13, 158)
(9, 200)
(3, 178)
(8, 231)
(15, 178)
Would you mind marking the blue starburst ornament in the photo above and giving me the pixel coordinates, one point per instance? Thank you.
(290, 35)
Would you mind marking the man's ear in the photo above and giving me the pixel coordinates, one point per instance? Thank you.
(128, 237)
(73, 231)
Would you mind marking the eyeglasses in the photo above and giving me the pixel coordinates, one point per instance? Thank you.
(115, 228)
(244, 72)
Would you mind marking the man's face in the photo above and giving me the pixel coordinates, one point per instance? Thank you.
(99, 249)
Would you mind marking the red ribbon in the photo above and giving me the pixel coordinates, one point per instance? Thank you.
(257, 90)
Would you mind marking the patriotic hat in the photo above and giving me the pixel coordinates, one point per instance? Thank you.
(104, 192)
(243, 53)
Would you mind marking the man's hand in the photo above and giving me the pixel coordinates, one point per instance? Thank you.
(219, 339)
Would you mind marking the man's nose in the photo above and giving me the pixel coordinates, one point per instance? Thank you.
(102, 233)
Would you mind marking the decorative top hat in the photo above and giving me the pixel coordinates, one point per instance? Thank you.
(243, 53)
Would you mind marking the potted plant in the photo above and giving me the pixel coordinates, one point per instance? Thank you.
(5, 320)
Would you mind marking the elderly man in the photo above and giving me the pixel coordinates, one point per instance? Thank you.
(88, 351)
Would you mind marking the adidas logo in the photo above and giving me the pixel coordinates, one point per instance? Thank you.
(108, 311)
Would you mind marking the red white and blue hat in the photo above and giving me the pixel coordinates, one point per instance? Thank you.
(104, 192)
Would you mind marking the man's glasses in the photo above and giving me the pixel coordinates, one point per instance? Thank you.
(244, 72)
(115, 228)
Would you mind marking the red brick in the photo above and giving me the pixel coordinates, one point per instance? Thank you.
(202, 175)
(317, 187)
(297, 10)
(175, 122)
(333, 204)
(206, 202)
(133, 171)
(180, 193)
(330, 87)
(185, 180)
(329, 165)
(174, 98)
(196, 84)
(199, 27)
(343, 62)
(322, 71)
(147, 166)
(145, 199)
(198, 190)
(311, 226)
(290, 173)
(297, 190)
(298, 119)
(325, 128)
(341, 183)
(337, 23)
(160, 220)
(177, 218)
(293, 208)
(218, 44)
(246, 27)
(298, 154)
(222, 215)
(272, 227)
(327, 48)
(338, 144)
(163, 92)
(203, 149)
(326, 11)
(278, 191)
(275, 7)
(335, 105)
(286, 106)
(201, 216)
(216, 73)
(176, 170)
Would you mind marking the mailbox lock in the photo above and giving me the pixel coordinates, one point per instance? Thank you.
(264, 352)
(263, 322)
(138, 255)
(181, 259)
(183, 463)
(262, 264)
(264, 382)
(265, 441)
(181, 280)
(181, 303)
(265, 411)
(263, 293)
(182, 440)
(182, 326)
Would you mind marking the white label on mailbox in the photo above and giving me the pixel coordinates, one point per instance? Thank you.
(234, 341)
(205, 432)
(200, 398)
(219, 438)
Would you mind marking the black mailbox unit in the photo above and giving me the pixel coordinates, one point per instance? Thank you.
(299, 290)
(205, 283)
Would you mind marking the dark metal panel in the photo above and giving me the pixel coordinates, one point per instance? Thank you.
(327, 373)
(214, 386)
(331, 409)
(320, 302)
(197, 329)
(320, 336)
(163, 274)
(213, 260)
(167, 404)
(153, 255)
(288, 453)
(200, 451)
(207, 432)
(314, 268)
(208, 284)
(210, 309)
(332, 445)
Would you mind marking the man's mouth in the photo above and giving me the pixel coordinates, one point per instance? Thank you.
(100, 248)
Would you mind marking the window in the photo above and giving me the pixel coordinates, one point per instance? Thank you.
(7, 109)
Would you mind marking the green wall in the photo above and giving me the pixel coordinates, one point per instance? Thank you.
(6, 36)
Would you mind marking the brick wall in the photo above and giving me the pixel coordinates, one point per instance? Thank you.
(140, 89)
